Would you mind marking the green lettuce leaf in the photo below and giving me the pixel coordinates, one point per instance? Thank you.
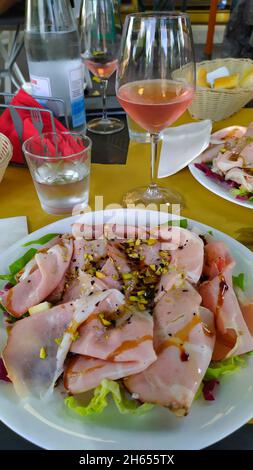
(239, 192)
(99, 401)
(43, 240)
(21, 262)
(226, 367)
(9, 278)
(199, 392)
(183, 223)
(239, 281)
(17, 265)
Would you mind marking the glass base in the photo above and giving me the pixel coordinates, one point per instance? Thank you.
(105, 126)
(153, 194)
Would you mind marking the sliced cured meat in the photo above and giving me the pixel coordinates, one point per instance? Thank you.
(188, 253)
(118, 341)
(32, 265)
(82, 285)
(232, 334)
(38, 285)
(184, 343)
(86, 251)
(117, 350)
(38, 345)
(28, 337)
(226, 161)
(85, 373)
(242, 177)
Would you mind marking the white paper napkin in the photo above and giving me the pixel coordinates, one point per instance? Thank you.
(12, 229)
(181, 145)
(218, 73)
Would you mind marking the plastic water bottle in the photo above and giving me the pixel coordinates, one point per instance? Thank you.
(54, 61)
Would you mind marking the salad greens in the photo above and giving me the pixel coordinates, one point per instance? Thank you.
(99, 401)
(43, 240)
(183, 223)
(226, 367)
(218, 369)
(242, 193)
(17, 265)
(21, 262)
(239, 281)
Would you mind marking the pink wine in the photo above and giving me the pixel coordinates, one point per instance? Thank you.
(101, 65)
(155, 104)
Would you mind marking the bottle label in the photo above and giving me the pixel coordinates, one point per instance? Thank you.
(41, 86)
(76, 81)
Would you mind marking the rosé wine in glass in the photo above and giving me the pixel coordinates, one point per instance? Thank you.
(101, 66)
(155, 83)
(155, 104)
(100, 40)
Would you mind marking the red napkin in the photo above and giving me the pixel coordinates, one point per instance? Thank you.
(7, 127)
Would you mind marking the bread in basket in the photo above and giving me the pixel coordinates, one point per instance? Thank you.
(217, 104)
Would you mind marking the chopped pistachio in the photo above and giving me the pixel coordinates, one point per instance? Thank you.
(151, 241)
(141, 292)
(223, 150)
(163, 254)
(91, 271)
(137, 242)
(103, 320)
(100, 275)
(88, 256)
(133, 298)
(115, 277)
(141, 306)
(58, 341)
(153, 267)
(142, 301)
(159, 271)
(127, 276)
(43, 353)
(75, 336)
(133, 255)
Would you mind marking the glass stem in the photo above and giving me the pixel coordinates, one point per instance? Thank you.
(104, 90)
(154, 159)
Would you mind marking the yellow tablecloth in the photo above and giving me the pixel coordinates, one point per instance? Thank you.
(18, 196)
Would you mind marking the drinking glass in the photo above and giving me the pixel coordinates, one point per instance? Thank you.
(100, 45)
(60, 168)
(155, 83)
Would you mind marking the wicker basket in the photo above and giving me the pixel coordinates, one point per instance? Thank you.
(222, 103)
(6, 151)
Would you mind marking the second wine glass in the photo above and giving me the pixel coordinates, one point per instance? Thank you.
(100, 44)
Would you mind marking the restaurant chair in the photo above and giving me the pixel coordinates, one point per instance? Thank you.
(11, 43)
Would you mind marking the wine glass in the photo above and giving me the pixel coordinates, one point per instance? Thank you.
(100, 45)
(155, 83)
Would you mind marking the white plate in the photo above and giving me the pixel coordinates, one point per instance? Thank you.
(211, 184)
(54, 427)
(216, 188)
